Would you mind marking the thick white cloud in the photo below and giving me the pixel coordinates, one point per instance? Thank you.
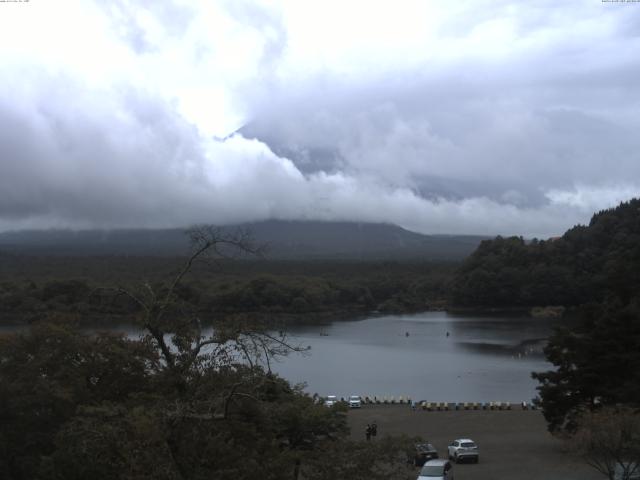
(467, 117)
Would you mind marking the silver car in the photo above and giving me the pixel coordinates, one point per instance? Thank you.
(464, 449)
(436, 470)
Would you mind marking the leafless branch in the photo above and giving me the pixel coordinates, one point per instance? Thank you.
(609, 440)
(124, 291)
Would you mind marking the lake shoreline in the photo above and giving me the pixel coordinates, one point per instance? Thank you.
(288, 319)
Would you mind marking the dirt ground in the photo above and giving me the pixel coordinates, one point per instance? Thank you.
(514, 444)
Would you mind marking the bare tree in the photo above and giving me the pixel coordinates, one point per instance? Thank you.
(609, 441)
(177, 331)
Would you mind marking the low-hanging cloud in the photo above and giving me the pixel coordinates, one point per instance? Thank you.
(485, 137)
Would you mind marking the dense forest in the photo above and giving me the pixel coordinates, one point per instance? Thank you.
(31, 286)
(587, 264)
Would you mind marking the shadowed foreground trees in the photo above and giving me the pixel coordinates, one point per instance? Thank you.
(47, 375)
(383, 459)
(76, 406)
(597, 364)
(593, 397)
(174, 404)
(609, 441)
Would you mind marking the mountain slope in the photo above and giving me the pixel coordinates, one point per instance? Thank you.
(284, 239)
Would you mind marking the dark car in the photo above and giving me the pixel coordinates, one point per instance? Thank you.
(424, 453)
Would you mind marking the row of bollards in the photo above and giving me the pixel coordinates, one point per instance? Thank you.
(439, 406)
(375, 400)
(436, 406)
(442, 406)
(386, 400)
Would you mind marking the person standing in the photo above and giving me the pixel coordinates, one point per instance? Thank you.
(368, 432)
(374, 429)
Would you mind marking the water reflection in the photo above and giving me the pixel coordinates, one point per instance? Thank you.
(482, 358)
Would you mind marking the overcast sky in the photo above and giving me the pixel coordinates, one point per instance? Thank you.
(482, 117)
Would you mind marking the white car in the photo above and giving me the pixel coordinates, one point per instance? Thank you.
(355, 401)
(436, 470)
(464, 449)
(331, 400)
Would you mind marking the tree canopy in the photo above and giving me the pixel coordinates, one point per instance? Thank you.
(597, 364)
(75, 405)
(586, 264)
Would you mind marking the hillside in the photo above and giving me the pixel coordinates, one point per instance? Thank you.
(587, 264)
(284, 240)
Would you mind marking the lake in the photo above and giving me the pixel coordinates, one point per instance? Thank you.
(483, 358)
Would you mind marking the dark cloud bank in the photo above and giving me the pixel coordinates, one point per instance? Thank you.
(529, 142)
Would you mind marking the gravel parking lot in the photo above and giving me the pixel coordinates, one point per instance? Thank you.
(514, 444)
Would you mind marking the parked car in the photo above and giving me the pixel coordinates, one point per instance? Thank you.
(355, 401)
(464, 449)
(436, 470)
(331, 400)
(424, 453)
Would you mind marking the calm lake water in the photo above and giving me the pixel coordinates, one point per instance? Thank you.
(482, 359)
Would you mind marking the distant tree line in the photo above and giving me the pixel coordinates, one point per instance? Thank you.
(262, 288)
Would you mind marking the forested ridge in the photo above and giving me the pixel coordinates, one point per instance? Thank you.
(586, 264)
(34, 286)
